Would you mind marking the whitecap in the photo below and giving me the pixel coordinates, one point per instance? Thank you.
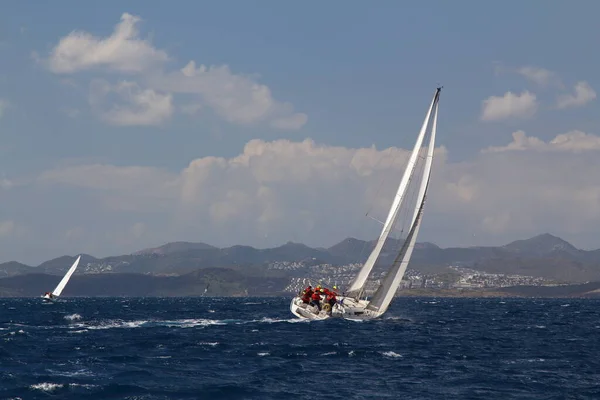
(208, 343)
(72, 317)
(391, 354)
(46, 386)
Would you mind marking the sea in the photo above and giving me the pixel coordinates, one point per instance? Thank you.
(254, 348)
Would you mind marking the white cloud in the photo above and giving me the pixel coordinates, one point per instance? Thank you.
(584, 93)
(133, 105)
(237, 98)
(541, 76)
(573, 141)
(291, 122)
(123, 50)
(510, 105)
(538, 75)
(301, 191)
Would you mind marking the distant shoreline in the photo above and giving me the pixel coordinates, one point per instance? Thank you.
(508, 292)
(522, 292)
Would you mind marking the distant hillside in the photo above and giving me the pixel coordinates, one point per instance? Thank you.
(545, 256)
(175, 247)
(544, 245)
(12, 268)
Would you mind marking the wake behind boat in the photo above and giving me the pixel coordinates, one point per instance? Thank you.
(53, 296)
(353, 304)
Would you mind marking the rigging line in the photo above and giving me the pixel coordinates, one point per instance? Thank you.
(394, 158)
(366, 242)
(411, 197)
(405, 213)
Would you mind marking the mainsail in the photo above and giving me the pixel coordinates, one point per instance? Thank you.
(61, 285)
(356, 288)
(386, 291)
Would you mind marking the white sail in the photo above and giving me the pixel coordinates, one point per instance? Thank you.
(357, 285)
(385, 293)
(61, 285)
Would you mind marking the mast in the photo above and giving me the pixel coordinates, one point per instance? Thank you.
(356, 288)
(387, 290)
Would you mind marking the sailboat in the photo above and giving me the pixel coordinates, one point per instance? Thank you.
(353, 304)
(53, 296)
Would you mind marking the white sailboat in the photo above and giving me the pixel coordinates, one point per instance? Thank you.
(53, 296)
(354, 304)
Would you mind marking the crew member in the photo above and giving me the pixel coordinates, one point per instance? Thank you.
(331, 299)
(316, 300)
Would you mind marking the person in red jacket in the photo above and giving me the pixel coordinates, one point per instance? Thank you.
(331, 299)
(306, 293)
(316, 300)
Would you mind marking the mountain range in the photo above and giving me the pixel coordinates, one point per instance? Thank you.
(185, 268)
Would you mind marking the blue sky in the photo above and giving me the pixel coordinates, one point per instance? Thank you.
(83, 176)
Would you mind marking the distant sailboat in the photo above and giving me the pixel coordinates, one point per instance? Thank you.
(53, 296)
(354, 304)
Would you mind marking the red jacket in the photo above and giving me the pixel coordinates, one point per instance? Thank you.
(316, 296)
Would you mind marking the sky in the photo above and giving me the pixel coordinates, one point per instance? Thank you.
(128, 125)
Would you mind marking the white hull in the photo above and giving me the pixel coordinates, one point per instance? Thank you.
(49, 299)
(346, 308)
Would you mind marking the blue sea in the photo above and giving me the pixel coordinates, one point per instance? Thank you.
(253, 348)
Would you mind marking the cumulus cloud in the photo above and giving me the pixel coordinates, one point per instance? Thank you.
(573, 141)
(511, 105)
(132, 105)
(279, 189)
(284, 190)
(237, 98)
(122, 51)
(584, 93)
(541, 76)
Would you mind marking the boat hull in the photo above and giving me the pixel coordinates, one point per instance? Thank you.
(306, 311)
(49, 299)
(345, 308)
